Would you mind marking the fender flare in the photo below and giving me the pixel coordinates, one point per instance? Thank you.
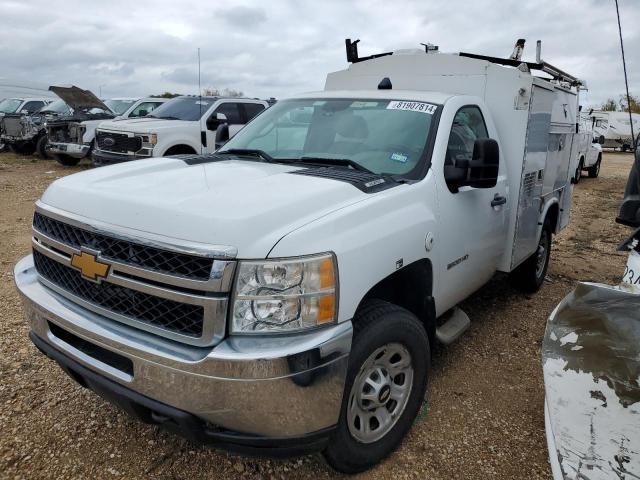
(545, 210)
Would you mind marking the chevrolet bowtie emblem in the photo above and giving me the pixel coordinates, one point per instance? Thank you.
(89, 266)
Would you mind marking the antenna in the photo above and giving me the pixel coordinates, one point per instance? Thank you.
(626, 80)
(202, 132)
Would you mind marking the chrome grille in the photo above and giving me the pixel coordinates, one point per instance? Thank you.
(144, 256)
(170, 315)
(175, 290)
(117, 142)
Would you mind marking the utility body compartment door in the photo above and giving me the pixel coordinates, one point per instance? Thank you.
(533, 174)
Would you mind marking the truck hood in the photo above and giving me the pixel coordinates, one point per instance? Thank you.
(243, 204)
(144, 125)
(77, 98)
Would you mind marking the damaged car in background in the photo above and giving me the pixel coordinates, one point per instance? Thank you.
(21, 106)
(25, 133)
(72, 138)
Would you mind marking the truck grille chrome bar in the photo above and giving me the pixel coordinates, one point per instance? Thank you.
(154, 289)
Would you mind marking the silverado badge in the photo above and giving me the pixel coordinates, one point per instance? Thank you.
(89, 266)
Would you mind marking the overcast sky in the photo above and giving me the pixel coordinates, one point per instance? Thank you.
(280, 47)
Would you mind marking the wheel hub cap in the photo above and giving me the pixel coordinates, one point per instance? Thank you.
(380, 393)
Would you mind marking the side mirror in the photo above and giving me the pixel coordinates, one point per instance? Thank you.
(479, 172)
(213, 122)
(143, 113)
(24, 112)
(601, 139)
(222, 135)
(484, 167)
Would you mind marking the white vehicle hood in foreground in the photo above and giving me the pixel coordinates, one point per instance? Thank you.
(244, 204)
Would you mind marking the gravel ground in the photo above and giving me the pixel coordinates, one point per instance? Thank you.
(484, 415)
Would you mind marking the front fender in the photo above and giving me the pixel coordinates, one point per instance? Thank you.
(371, 239)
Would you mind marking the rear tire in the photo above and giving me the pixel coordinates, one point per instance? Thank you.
(578, 174)
(67, 160)
(41, 147)
(529, 276)
(384, 389)
(594, 171)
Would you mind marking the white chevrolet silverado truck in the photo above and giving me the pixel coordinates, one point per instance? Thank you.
(284, 294)
(186, 124)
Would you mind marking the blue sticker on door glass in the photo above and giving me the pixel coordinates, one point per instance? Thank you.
(399, 157)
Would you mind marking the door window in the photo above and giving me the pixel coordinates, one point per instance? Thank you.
(32, 107)
(144, 108)
(231, 111)
(252, 109)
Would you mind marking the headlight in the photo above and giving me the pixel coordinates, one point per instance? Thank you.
(287, 295)
(153, 138)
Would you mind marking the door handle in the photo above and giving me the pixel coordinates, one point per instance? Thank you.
(498, 200)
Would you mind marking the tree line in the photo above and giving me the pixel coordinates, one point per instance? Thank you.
(611, 105)
(207, 92)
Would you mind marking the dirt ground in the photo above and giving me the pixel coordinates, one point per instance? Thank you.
(484, 414)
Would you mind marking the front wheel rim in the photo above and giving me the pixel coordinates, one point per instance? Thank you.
(380, 393)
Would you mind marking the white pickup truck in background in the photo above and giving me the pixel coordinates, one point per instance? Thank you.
(284, 293)
(185, 125)
(590, 143)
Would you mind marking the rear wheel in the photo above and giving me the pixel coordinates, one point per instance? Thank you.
(594, 171)
(67, 160)
(529, 276)
(578, 174)
(385, 386)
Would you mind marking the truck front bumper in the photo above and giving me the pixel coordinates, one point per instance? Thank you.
(100, 158)
(74, 150)
(256, 394)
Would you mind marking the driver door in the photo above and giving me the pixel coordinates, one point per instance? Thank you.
(473, 220)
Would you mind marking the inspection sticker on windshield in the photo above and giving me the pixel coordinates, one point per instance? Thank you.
(199, 102)
(412, 106)
(399, 157)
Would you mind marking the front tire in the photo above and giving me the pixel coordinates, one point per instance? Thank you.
(67, 160)
(385, 386)
(594, 171)
(41, 147)
(529, 276)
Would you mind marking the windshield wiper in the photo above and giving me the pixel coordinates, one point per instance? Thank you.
(247, 151)
(342, 162)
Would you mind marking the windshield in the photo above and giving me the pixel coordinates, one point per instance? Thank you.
(119, 106)
(9, 105)
(182, 108)
(55, 107)
(384, 136)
